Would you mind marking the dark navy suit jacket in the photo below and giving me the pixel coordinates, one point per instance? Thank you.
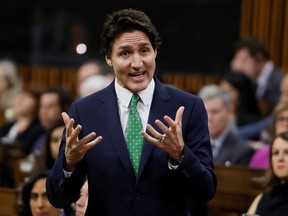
(156, 190)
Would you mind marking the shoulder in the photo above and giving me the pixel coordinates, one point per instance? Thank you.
(253, 207)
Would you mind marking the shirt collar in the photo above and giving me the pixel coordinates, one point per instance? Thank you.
(219, 140)
(265, 74)
(124, 95)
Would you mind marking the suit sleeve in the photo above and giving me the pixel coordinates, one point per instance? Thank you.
(197, 168)
(63, 191)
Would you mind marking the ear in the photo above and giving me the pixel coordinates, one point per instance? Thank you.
(108, 60)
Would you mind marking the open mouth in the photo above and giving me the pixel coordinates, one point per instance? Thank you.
(137, 74)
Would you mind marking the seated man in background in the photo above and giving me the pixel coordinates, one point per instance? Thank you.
(228, 148)
(252, 58)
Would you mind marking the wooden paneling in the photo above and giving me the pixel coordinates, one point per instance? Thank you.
(8, 202)
(235, 190)
(268, 20)
(189, 82)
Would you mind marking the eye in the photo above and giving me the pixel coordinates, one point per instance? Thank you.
(275, 152)
(124, 54)
(33, 196)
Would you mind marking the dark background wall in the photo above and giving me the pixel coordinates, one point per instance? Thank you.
(197, 34)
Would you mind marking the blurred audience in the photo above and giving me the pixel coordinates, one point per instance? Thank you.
(252, 58)
(34, 201)
(227, 147)
(90, 68)
(82, 202)
(258, 131)
(10, 87)
(93, 84)
(274, 200)
(53, 101)
(260, 158)
(244, 102)
(26, 128)
(50, 149)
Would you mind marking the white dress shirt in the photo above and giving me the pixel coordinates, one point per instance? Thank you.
(143, 107)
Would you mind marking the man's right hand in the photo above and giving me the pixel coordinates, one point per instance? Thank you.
(75, 149)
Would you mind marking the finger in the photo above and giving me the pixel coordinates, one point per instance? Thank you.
(149, 138)
(75, 133)
(92, 143)
(65, 117)
(69, 127)
(178, 119)
(162, 126)
(179, 115)
(154, 133)
(87, 138)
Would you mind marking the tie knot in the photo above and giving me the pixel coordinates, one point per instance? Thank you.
(134, 100)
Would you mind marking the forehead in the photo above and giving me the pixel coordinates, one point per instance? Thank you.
(243, 53)
(214, 102)
(39, 186)
(280, 143)
(128, 39)
(51, 96)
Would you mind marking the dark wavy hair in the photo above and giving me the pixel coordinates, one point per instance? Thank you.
(127, 20)
(25, 192)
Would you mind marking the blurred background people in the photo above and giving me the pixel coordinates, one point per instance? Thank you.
(10, 86)
(82, 202)
(53, 101)
(90, 68)
(25, 128)
(260, 158)
(34, 201)
(257, 131)
(227, 147)
(252, 58)
(50, 149)
(244, 102)
(93, 84)
(274, 200)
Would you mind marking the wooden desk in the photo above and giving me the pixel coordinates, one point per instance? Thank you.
(8, 202)
(235, 190)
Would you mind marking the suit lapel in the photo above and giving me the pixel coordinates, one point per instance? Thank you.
(108, 110)
(110, 118)
(157, 111)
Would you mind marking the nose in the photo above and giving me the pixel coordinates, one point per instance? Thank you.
(40, 202)
(136, 61)
(80, 201)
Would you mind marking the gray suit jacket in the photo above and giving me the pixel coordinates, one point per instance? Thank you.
(234, 151)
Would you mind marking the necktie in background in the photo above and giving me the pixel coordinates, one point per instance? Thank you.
(133, 136)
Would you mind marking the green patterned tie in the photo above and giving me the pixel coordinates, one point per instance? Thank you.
(133, 136)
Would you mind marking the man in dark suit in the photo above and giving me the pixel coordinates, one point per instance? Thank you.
(228, 148)
(252, 58)
(176, 159)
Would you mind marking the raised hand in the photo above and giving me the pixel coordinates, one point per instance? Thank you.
(171, 141)
(75, 149)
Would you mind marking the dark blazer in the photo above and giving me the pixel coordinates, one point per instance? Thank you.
(113, 188)
(234, 151)
(272, 91)
(26, 138)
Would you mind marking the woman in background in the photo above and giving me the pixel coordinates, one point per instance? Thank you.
(260, 159)
(274, 200)
(34, 199)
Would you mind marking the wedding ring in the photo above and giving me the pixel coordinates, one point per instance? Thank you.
(163, 138)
